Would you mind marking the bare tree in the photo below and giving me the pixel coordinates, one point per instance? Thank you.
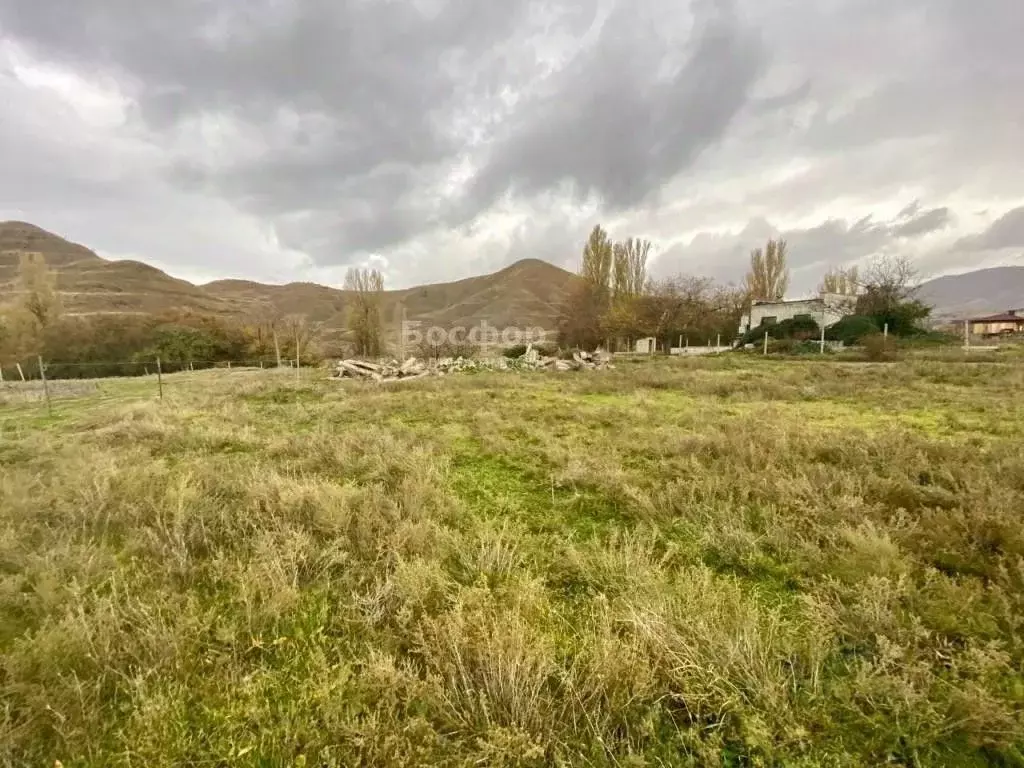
(364, 320)
(630, 267)
(768, 277)
(693, 307)
(298, 333)
(580, 323)
(892, 274)
(264, 327)
(889, 286)
(842, 282)
(629, 280)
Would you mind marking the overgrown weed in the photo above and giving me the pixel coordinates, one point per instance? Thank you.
(719, 562)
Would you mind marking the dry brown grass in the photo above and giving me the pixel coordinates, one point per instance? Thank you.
(709, 562)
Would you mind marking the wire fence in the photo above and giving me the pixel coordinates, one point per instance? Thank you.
(25, 371)
(55, 382)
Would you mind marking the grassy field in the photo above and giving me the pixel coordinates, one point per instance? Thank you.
(724, 562)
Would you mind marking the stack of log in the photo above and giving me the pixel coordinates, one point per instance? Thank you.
(361, 369)
(418, 369)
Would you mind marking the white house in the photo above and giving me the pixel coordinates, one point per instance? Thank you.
(825, 309)
(645, 346)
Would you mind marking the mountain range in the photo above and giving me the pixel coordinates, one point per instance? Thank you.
(527, 294)
(974, 294)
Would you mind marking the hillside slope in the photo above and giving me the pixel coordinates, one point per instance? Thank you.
(89, 284)
(526, 294)
(984, 291)
(17, 237)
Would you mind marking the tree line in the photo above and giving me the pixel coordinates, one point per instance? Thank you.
(120, 344)
(615, 301)
(123, 344)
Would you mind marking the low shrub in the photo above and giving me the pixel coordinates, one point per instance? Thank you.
(794, 328)
(852, 329)
(515, 351)
(879, 348)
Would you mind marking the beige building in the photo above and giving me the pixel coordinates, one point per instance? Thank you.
(1011, 321)
(825, 309)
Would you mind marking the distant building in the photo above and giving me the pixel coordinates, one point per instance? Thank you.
(1011, 321)
(825, 309)
(646, 346)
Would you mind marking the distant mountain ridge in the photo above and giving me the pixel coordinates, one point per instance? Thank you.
(527, 294)
(973, 294)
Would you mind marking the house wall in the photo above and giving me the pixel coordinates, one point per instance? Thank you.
(645, 346)
(820, 310)
(990, 329)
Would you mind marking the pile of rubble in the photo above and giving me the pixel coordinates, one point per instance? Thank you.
(413, 368)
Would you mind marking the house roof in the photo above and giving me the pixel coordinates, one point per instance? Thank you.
(1003, 317)
(781, 302)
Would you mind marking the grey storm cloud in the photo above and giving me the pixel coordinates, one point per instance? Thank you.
(385, 77)
(1005, 232)
(811, 250)
(918, 222)
(449, 135)
(611, 125)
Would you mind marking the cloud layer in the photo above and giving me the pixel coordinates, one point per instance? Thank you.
(285, 140)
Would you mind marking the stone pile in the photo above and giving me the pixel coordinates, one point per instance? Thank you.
(413, 368)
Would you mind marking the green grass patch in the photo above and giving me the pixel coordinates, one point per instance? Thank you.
(726, 561)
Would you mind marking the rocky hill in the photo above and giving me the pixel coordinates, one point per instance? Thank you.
(526, 294)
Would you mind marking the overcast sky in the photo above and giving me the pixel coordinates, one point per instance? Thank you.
(283, 140)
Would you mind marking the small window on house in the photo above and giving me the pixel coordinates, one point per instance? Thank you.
(770, 320)
(803, 316)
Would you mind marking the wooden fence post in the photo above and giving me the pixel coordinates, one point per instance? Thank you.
(160, 378)
(46, 387)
